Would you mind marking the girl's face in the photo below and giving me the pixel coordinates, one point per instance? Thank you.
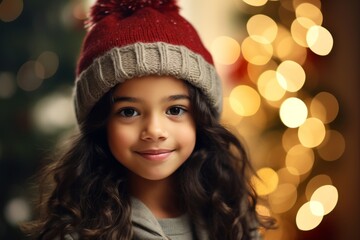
(151, 130)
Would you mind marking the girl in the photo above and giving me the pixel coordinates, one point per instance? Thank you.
(151, 160)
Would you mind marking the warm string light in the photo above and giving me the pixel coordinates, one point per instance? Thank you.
(10, 10)
(275, 50)
(31, 74)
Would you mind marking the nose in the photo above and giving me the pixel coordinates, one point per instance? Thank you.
(154, 129)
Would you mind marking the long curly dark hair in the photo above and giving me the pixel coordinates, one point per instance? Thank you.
(86, 190)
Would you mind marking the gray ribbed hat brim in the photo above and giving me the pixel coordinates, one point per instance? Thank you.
(143, 59)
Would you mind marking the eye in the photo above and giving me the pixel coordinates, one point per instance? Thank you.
(176, 111)
(128, 112)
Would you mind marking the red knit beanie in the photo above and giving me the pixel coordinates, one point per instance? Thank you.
(129, 38)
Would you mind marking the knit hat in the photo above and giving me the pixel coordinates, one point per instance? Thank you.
(128, 39)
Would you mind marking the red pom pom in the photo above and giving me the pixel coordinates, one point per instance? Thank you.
(125, 8)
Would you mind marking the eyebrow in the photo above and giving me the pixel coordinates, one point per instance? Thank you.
(124, 99)
(136, 100)
(177, 97)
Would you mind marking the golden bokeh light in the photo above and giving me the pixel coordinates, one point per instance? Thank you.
(293, 112)
(50, 61)
(299, 160)
(39, 70)
(291, 76)
(254, 71)
(328, 196)
(269, 86)
(315, 183)
(256, 3)
(317, 109)
(269, 152)
(262, 26)
(89, 3)
(333, 146)
(317, 208)
(287, 177)
(310, 11)
(325, 107)
(299, 29)
(225, 50)
(254, 124)
(305, 218)
(290, 138)
(79, 10)
(275, 104)
(285, 231)
(10, 10)
(251, 127)
(319, 40)
(257, 51)
(316, 3)
(54, 112)
(244, 100)
(283, 198)
(312, 132)
(228, 116)
(285, 47)
(29, 76)
(276, 51)
(7, 85)
(265, 182)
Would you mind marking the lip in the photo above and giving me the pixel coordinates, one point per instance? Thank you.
(155, 154)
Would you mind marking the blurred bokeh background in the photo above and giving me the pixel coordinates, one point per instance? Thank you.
(291, 74)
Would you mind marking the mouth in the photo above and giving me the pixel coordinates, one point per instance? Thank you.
(155, 154)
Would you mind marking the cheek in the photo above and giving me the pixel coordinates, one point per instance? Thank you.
(120, 138)
(187, 137)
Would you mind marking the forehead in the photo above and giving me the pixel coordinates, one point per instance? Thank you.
(151, 85)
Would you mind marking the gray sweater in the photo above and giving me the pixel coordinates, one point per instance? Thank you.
(146, 226)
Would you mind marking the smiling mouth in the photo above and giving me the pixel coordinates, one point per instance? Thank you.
(155, 155)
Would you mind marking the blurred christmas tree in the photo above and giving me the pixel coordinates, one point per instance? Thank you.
(39, 44)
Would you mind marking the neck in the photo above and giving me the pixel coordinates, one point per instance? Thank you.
(160, 196)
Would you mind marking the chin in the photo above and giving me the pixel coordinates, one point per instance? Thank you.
(156, 176)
